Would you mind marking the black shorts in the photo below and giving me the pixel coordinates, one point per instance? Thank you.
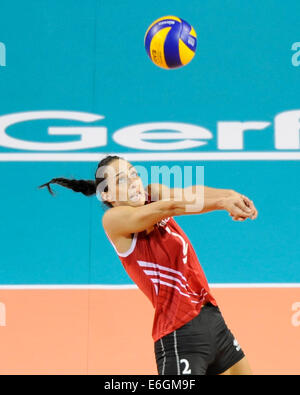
(203, 346)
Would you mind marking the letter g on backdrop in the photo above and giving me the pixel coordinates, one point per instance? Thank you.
(90, 136)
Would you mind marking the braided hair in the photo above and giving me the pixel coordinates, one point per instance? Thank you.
(86, 187)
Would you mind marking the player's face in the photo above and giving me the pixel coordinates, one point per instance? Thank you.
(125, 187)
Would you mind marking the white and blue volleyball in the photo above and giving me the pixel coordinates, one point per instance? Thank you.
(170, 42)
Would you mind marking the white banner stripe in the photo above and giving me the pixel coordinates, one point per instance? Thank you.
(134, 287)
(149, 156)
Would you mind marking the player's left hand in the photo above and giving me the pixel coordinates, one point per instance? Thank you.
(249, 203)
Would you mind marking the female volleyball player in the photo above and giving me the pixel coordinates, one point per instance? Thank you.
(189, 331)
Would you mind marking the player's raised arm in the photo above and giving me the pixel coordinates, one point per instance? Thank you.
(239, 206)
(126, 219)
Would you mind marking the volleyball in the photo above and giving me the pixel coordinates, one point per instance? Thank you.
(170, 42)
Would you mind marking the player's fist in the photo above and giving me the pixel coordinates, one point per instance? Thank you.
(239, 206)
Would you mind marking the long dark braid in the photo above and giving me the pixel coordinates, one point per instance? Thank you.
(86, 187)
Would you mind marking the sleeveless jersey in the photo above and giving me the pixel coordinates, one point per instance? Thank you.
(165, 267)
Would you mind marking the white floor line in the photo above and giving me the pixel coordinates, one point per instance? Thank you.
(131, 286)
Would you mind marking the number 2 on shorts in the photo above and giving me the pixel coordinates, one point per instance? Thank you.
(186, 369)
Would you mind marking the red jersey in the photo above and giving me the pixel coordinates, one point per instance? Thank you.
(165, 267)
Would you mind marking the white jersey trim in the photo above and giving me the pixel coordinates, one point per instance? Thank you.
(128, 252)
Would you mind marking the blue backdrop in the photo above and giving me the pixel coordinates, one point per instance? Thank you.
(89, 56)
